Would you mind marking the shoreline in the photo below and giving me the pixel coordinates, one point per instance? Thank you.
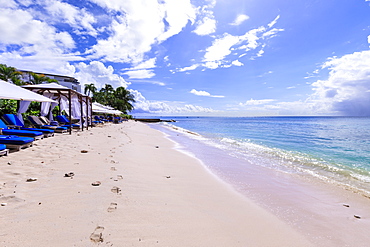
(150, 194)
(327, 214)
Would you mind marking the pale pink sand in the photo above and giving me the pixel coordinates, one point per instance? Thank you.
(165, 198)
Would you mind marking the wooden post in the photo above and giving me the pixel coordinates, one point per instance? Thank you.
(87, 112)
(70, 111)
(82, 112)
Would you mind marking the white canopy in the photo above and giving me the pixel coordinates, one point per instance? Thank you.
(96, 107)
(12, 91)
(52, 87)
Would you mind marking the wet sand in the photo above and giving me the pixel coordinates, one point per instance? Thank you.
(325, 213)
(147, 194)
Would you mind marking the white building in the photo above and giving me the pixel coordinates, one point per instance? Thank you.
(66, 81)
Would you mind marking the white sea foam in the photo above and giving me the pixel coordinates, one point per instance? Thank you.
(287, 161)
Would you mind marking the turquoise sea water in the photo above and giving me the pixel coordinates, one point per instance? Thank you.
(334, 149)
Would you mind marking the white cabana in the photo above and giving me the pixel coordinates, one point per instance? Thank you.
(12, 91)
(75, 104)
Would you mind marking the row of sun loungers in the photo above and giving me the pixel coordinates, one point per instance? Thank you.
(15, 135)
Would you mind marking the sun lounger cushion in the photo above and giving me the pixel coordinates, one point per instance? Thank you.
(38, 123)
(15, 140)
(6, 131)
(2, 147)
(63, 119)
(14, 120)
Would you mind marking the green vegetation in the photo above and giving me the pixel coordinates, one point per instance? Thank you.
(119, 98)
(10, 74)
(8, 106)
(39, 79)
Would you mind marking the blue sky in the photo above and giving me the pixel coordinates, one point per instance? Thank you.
(209, 57)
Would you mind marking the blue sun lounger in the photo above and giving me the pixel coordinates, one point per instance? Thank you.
(37, 122)
(16, 142)
(65, 121)
(14, 121)
(5, 130)
(3, 150)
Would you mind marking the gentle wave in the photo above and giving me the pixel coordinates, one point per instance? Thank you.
(294, 162)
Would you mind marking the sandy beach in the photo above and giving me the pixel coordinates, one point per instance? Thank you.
(149, 194)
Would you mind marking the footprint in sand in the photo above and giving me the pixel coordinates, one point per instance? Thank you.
(113, 168)
(97, 235)
(116, 190)
(112, 207)
(119, 177)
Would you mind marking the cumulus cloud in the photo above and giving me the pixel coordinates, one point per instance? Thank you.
(77, 18)
(207, 22)
(144, 106)
(204, 93)
(31, 44)
(239, 20)
(206, 26)
(96, 72)
(141, 25)
(34, 35)
(347, 89)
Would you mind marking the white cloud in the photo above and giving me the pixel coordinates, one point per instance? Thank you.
(212, 65)
(142, 24)
(7, 4)
(192, 67)
(144, 106)
(35, 35)
(77, 18)
(204, 93)
(346, 91)
(96, 72)
(206, 26)
(142, 70)
(271, 24)
(239, 20)
(227, 44)
(140, 74)
(148, 64)
(220, 48)
(272, 33)
(38, 44)
(253, 102)
(207, 22)
(237, 63)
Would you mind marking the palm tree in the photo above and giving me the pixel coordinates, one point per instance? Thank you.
(90, 88)
(106, 95)
(120, 99)
(39, 79)
(123, 100)
(10, 74)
